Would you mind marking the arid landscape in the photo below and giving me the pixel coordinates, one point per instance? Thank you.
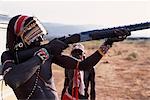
(122, 74)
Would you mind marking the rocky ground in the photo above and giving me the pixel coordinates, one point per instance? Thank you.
(122, 74)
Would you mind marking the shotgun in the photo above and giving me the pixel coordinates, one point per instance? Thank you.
(84, 36)
(101, 34)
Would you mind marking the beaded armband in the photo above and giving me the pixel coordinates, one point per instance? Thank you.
(103, 49)
(42, 54)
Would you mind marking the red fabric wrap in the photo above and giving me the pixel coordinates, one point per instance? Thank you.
(19, 23)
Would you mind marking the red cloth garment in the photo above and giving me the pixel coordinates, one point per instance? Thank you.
(75, 87)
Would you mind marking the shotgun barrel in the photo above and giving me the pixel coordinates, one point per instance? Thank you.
(102, 34)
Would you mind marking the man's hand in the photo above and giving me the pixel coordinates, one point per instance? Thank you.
(120, 34)
(55, 47)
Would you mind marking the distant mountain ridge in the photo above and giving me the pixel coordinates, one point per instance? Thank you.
(59, 30)
(56, 28)
(63, 30)
(4, 18)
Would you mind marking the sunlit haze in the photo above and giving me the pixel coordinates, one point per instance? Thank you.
(105, 13)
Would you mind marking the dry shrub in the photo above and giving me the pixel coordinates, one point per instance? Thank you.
(132, 56)
(119, 53)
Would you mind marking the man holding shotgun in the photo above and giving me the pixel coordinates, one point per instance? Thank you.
(30, 76)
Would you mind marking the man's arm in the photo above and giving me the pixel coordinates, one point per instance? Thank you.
(70, 63)
(89, 62)
(15, 75)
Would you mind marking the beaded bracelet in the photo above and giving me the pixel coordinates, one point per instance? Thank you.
(100, 51)
(103, 49)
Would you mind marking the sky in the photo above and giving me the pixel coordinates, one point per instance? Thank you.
(106, 13)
